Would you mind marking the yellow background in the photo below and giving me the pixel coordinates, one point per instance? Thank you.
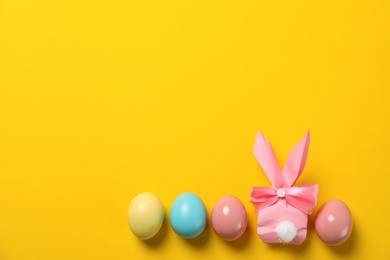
(102, 100)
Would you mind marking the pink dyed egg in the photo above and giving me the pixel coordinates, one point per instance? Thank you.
(228, 218)
(333, 222)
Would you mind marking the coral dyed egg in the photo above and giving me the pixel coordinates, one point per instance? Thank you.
(188, 215)
(333, 222)
(145, 215)
(229, 218)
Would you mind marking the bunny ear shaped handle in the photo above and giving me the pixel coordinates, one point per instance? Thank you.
(295, 164)
(266, 157)
(296, 161)
(303, 197)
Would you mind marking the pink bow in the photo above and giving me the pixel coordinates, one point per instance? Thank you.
(303, 197)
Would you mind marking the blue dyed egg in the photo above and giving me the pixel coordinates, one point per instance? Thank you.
(188, 215)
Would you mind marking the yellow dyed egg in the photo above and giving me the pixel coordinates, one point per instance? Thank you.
(145, 215)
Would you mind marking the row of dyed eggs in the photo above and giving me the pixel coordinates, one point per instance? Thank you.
(229, 220)
(188, 216)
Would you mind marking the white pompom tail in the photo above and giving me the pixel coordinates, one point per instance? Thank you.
(286, 231)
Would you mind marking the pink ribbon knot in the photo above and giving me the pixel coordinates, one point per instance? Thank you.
(302, 197)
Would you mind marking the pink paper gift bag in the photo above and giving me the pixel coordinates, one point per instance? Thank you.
(283, 208)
